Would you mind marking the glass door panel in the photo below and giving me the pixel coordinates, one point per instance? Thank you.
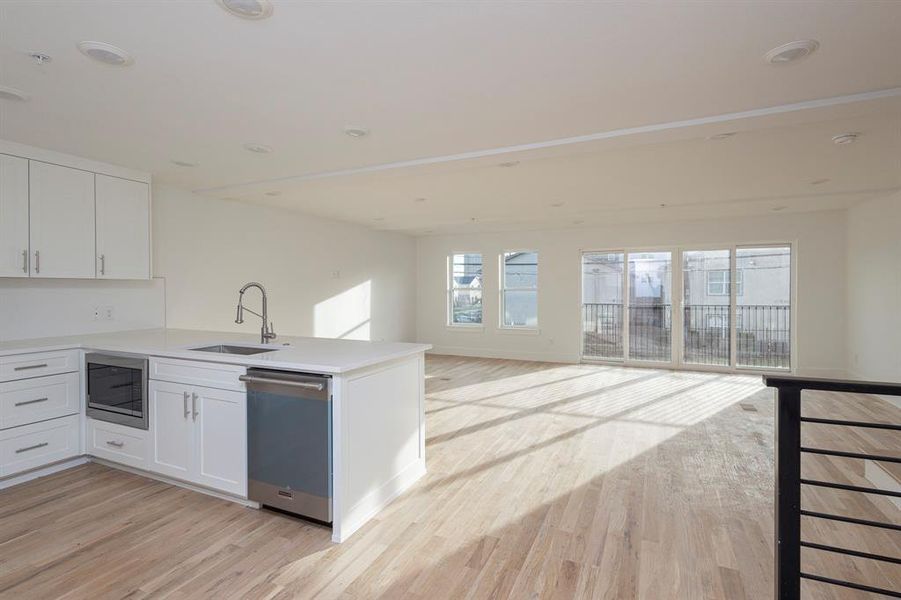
(706, 307)
(650, 306)
(763, 307)
(602, 305)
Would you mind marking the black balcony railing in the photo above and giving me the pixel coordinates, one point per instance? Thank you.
(763, 333)
(789, 480)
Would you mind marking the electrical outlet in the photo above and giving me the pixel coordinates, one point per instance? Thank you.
(96, 313)
(109, 313)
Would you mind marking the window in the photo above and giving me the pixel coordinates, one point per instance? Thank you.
(519, 289)
(464, 289)
(718, 283)
(763, 336)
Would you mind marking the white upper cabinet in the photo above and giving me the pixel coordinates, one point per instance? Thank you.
(62, 221)
(13, 216)
(123, 228)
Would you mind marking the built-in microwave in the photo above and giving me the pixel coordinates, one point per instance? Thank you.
(117, 389)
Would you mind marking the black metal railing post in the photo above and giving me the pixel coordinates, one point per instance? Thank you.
(788, 494)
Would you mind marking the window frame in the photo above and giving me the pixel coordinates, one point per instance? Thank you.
(452, 287)
(503, 289)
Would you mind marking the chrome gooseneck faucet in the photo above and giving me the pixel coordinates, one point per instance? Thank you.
(267, 331)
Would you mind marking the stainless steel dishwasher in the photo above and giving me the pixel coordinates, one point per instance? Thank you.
(289, 442)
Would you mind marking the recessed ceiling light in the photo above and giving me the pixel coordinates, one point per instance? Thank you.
(820, 181)
(557, 204)
(356, 132)
(778, 208)
(184, 163)
(247, 9)
(508, 164)
(9, 93)
(791, 52)
(106, 53)
(258, 148)
(578, 222)
(379, 219)
(722, 136)
(845, 138)
(274, 193)
(419, 200)
(40, 57)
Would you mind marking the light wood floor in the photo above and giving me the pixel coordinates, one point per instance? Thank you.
(563, 481)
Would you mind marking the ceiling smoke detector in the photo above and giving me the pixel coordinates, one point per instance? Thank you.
(845, 138)
(10, 93)
(247, 9)
(257, 148)
(791, 52)
(40, 57)
(106, 53)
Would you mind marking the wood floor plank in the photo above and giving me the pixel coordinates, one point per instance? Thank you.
(545, 481)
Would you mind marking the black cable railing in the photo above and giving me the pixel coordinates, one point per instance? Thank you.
(789, 481)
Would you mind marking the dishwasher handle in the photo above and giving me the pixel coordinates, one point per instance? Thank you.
(301, 384)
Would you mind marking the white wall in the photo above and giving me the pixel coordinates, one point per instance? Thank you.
(874, 289)
(31, 308)
(324, 278)
(819, 245)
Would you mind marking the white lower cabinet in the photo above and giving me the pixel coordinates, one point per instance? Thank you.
(172, 430)
(117, 443)
(199, 435)
(38, 444)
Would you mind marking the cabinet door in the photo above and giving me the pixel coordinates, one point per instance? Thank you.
(221, 442)
(123, 228)
(13, 216)
(62, 221)
(172, 430)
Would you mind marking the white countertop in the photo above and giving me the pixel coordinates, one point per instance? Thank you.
(314, 355)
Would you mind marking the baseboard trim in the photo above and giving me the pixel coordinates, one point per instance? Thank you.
(505, 354)
(377, 499)
(42, 471)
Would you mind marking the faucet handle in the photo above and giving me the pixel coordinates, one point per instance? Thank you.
(271, 334)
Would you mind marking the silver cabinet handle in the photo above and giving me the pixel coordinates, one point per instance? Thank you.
(301, 384)
(103, 264)
(187, 412)
(26, 402)
(35, 447)
(194, 406)
(27, 367)
(24, 261)
(115, 443)
(37, 261)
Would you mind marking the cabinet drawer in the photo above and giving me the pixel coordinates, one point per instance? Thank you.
(192, 372)
(117, 443)
(32, 400)
(38, 364)
(32, 446)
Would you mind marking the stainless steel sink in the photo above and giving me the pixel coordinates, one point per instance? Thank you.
(229, 349)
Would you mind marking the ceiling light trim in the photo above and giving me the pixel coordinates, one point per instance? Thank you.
(11, 93)
(102, 50)
(593, 137)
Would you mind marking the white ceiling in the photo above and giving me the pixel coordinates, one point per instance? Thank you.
(444, 78)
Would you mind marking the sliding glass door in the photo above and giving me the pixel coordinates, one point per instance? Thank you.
(602, 304)
(650, 306)
(735, 309)
(707, 307)
(763, 307)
